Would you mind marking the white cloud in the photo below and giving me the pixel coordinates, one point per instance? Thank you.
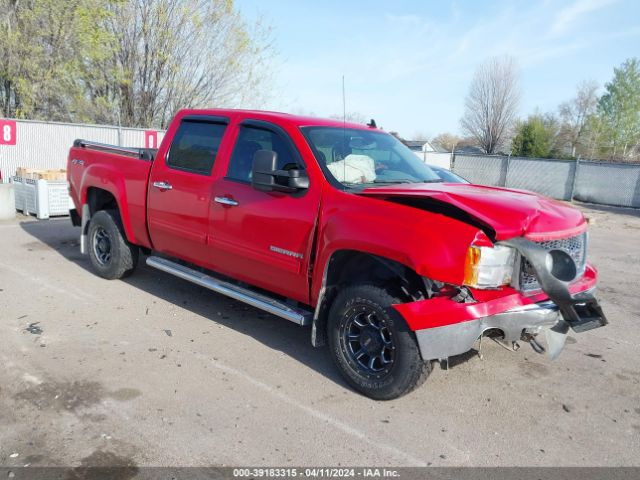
(566, 17)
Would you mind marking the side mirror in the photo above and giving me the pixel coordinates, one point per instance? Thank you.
(266, 178)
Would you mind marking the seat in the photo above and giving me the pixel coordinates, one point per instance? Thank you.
(339, 151)
(242, 160)
(322, 158)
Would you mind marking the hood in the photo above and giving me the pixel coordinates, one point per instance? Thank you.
(502, 213)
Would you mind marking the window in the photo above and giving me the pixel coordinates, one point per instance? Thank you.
(252, 139)
(195, 146)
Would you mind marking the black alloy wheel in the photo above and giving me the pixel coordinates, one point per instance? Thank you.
(367, 339)
(101, 246)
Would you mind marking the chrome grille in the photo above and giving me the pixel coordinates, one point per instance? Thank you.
(576, 247)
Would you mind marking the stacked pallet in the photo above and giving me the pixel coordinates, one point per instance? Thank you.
(40, 174)
(43, 192)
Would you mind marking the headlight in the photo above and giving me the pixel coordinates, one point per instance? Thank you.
(489, 267)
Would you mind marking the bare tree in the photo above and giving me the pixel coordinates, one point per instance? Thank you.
(352, 117)
(447, 141)
(492, 103)
(574, 117)
(421, 135)
(172, 54)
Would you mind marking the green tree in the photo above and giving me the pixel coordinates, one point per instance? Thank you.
(535, 137)
(619, 111)
(130, 61)
(44, 49)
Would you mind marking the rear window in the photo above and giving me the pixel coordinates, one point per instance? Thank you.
(195, 146)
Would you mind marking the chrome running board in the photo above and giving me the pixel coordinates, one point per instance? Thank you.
(245, 295)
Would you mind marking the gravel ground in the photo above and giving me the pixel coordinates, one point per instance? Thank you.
(156, 371)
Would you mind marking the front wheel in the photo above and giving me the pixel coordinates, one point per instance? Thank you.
(111, 255)
(372, 345)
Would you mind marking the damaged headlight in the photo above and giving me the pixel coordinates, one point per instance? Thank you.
(489, 267)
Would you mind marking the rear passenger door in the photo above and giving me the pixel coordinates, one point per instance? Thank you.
(180, 186)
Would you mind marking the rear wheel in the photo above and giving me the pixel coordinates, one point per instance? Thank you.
(111, 255)
(372, 345)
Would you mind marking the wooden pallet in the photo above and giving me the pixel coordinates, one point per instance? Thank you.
(41, 174)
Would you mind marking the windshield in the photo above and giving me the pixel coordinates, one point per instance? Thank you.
(448, 176)
(356, 157)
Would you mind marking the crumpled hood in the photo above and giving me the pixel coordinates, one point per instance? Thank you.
(509, 213)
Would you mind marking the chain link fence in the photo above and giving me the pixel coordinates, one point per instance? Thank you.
(605, 183)
(608, 183)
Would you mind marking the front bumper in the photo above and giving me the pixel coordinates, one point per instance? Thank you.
(455, 339)
(445, 328)
(458, 338)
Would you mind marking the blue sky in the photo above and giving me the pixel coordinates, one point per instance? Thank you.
(408, 63)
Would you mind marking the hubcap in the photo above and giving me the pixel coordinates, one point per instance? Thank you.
(102, 246)
(368, 342)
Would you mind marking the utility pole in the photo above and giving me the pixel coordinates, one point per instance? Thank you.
(119, 129)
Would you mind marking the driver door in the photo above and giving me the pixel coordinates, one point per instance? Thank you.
(263, 238)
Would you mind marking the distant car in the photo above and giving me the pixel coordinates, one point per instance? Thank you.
(447, 176)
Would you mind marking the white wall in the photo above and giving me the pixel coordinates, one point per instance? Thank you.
(437, 159)
(46, 144)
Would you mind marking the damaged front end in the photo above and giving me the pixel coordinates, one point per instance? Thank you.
(554, 269)
(558, 296)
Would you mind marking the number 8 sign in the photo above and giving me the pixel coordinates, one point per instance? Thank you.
(7, 132)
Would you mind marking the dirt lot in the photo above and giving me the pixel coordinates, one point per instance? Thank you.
(156, 371)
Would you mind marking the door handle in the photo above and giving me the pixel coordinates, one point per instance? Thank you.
(162, 185)
(226, 201)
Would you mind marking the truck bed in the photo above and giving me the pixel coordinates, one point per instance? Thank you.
(122, 171)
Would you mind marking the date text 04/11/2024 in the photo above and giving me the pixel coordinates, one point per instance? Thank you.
(323, 472)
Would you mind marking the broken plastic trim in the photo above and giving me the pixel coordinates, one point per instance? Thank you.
(582, 312)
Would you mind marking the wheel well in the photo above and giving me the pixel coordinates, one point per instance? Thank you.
(99, 199)
(347, 267)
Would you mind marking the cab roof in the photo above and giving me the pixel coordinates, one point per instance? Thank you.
(277, 118)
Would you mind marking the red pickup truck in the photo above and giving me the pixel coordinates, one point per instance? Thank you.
(341, 227)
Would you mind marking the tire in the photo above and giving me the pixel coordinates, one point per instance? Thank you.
(111, 255)
(365, 312)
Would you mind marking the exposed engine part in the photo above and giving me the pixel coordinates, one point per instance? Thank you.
(431, 286)
(503, 344)
(463, 296)
(530, 337)
(536, 346)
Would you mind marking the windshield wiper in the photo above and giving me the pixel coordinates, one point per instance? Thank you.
(406, 180)
(392, 182)
(398, 180)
